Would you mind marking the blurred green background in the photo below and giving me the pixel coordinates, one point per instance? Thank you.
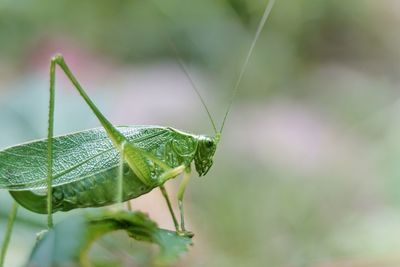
(307, 172)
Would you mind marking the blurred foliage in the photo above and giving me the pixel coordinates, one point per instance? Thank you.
(300, 35)
(70, 241)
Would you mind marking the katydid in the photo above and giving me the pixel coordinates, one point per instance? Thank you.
(108, 165)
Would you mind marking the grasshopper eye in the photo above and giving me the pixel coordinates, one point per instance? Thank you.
(209, 143)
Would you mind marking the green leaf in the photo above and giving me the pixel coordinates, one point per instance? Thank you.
(69, 242)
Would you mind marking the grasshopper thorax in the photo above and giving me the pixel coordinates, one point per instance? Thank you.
(203, 159)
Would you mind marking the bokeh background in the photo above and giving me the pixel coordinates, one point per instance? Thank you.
(308, 169)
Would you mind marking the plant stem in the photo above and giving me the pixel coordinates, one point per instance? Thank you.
(7, 238)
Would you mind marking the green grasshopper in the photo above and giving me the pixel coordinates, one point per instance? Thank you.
(107, 165)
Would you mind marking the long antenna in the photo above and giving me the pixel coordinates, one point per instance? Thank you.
(183, 66)
(246, 62)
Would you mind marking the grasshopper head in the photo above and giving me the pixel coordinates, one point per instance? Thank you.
(203, 158)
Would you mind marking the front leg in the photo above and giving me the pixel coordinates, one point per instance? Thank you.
(181, 192)
(172, 173)
(171, 210)
(169, 175)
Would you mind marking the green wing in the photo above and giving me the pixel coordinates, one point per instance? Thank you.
(76, 156)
